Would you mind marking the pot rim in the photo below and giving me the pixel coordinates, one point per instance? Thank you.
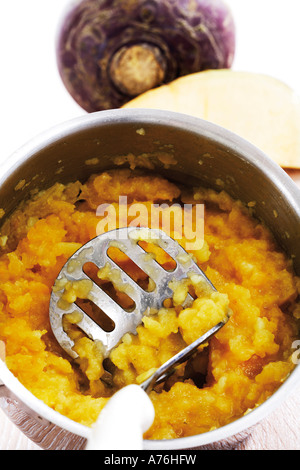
(233, 142)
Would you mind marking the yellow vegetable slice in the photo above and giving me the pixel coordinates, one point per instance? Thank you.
(259, 108)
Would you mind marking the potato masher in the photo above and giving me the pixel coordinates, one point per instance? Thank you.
(96, 251)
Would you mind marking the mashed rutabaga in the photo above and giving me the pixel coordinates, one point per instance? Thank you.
(238, 369)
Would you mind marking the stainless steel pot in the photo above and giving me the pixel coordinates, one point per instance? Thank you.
(200, 154)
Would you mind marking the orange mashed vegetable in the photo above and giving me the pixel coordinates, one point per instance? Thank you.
(238, 369)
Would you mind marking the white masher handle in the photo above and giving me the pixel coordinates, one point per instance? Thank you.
(123, 421)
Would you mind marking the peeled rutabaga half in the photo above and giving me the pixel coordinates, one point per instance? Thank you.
(259, 108)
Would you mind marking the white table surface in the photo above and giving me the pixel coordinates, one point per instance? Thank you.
(33, 99)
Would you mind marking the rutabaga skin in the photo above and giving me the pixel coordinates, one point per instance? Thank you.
(110, 51)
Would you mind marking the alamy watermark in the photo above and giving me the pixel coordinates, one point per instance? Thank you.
(179, 221)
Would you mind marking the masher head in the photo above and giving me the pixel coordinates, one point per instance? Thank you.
(123, 320)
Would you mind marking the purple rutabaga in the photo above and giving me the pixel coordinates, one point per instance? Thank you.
(109, 51)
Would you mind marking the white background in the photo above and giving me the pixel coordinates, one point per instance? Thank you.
(33, 98)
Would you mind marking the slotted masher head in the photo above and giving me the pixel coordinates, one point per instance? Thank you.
(96, 252)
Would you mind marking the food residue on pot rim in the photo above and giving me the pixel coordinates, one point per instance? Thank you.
(20, 185)
(92, 161)
(146, 160)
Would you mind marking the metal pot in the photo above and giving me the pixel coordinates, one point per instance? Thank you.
(200, 154)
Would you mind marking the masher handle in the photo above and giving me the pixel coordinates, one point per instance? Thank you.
(123, 421)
